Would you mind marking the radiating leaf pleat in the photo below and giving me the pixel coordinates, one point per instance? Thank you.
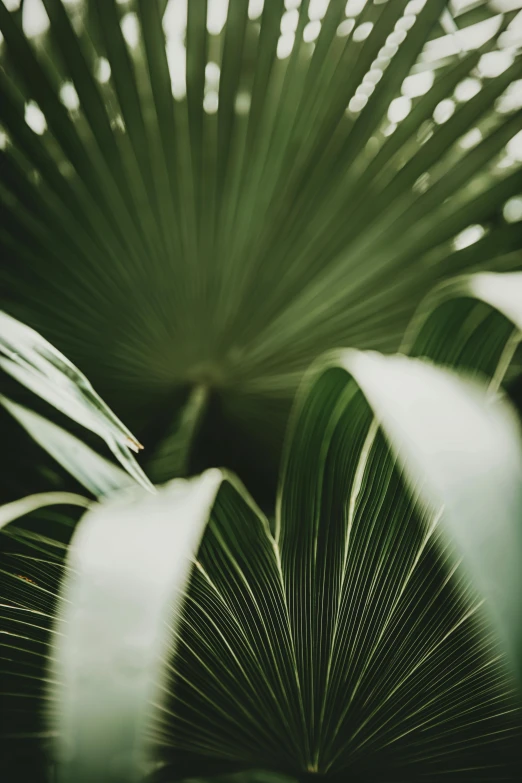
(236, 696)
(32, 550)
(379, 604)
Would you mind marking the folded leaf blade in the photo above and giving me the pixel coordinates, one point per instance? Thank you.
(36, 364)
(472, 323)
(97, 474)
(127, 567)
(374, 520)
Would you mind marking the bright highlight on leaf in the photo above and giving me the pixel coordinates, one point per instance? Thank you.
(148, 542)
(36, 364)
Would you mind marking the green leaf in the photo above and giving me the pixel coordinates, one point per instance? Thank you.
(473, 323)
(358, 544)
(96, 473)
(173, 453)
(9, 512)
(487, 440)
(127, 565)
(37, 365)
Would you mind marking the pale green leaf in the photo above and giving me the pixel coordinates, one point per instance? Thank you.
(97, 474)
(36, 364)
(127, 566)
(9, 512)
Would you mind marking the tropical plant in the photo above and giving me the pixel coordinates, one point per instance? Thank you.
(367, 630)
(199, 201)
(199, 198)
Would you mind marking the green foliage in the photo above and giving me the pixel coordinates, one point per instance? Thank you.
(194, 209)
(201, 207)
(38, 366)
(370, 633)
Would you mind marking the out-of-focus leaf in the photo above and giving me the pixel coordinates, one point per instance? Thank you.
(19, 508)
(173, 454)
(473, 323)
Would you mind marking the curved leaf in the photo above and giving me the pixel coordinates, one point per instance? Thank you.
(18, 508)
(358, 541)
(473, 323)
(96, 473)
(352, 642)
(127, 565)
(36, 364)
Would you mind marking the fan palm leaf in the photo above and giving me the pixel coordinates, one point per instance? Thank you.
(205, 196)
(368, 632)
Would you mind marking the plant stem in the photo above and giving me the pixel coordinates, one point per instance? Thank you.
(170, 459)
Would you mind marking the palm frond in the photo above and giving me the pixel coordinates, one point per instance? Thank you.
(212, 194)
(368, 635)
(281, 656)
